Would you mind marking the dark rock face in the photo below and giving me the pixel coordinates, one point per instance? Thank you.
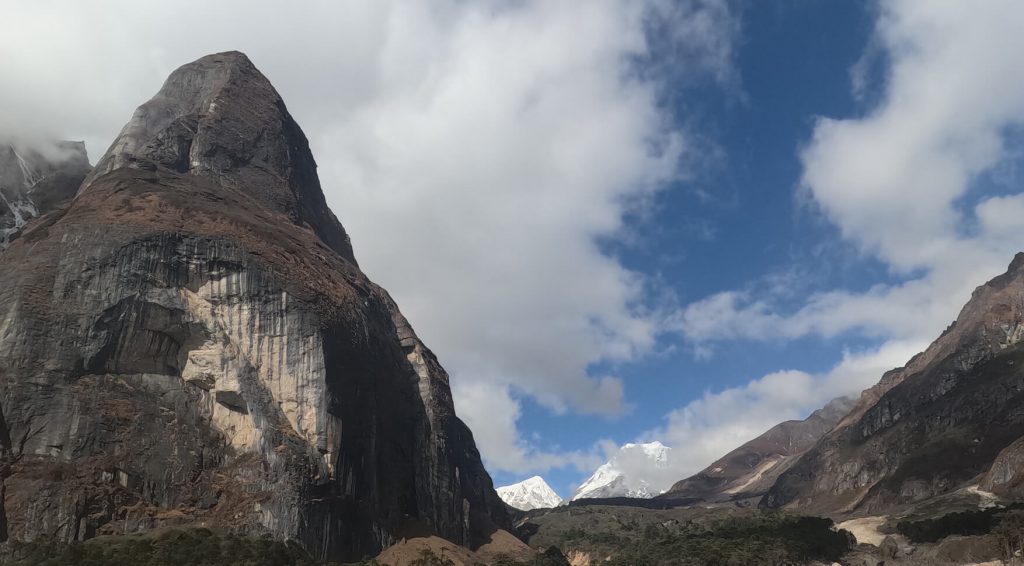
(191, 340)
(953, 413)
(33, 183)
(750, 470)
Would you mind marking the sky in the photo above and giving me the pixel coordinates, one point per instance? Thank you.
(618, 221)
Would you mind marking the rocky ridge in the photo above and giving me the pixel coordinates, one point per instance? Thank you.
(191, 340)
(954, 415)
(750, 470)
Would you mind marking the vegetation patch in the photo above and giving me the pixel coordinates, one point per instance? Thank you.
(617, 536)
(186, 547)
(965, 523)
(740, 541)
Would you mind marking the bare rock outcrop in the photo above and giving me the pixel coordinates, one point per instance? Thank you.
(191, 340)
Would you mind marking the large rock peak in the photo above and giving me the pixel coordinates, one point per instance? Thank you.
(189, 341)
(219, 117)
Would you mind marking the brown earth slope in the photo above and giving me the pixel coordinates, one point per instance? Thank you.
(750, 470)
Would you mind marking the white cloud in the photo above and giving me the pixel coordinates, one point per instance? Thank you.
(475, 151)
(890, 180)
(707, 428)
(915, 309)
(898, 182)
(492, 413)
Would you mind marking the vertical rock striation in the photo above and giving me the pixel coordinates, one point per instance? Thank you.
(192, 340)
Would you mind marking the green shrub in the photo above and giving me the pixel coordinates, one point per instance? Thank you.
(193, 547)
(966, 523)
(428, 558)
(753, 540)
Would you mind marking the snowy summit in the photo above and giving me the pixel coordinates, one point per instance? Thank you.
(637, 470)
(534, 493)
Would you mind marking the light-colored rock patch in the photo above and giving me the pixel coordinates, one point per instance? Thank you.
(757, 475)
(866, 529)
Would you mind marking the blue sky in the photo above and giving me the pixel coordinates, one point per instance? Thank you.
(682, 220)
(739, 220)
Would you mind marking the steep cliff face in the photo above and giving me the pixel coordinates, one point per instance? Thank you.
(750, 470)
(33, 183)
(927, 428)
(192, 340)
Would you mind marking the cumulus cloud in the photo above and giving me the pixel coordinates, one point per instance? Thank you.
(899, 181)
(511, 153)
(475, 151)
(707, 428)
(494, 411)
(644, 469)
(914, 309)
(906, 184)
(891, 179)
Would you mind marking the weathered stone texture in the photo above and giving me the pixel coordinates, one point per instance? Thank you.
(191, 341)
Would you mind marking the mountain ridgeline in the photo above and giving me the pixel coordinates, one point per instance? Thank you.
(748, 471)
(952, 418)
(925, 467)
(953, 415)
(191, 340)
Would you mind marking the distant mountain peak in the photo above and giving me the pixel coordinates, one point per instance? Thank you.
(532, 493)
(641, 470)
(35, 181)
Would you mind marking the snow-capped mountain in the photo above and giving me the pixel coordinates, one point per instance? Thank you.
(32, 184)
(636, 470)
(534, 493)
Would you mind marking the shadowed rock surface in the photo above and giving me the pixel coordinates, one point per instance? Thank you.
(955, 412)
(191, 340)
(751, 469)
